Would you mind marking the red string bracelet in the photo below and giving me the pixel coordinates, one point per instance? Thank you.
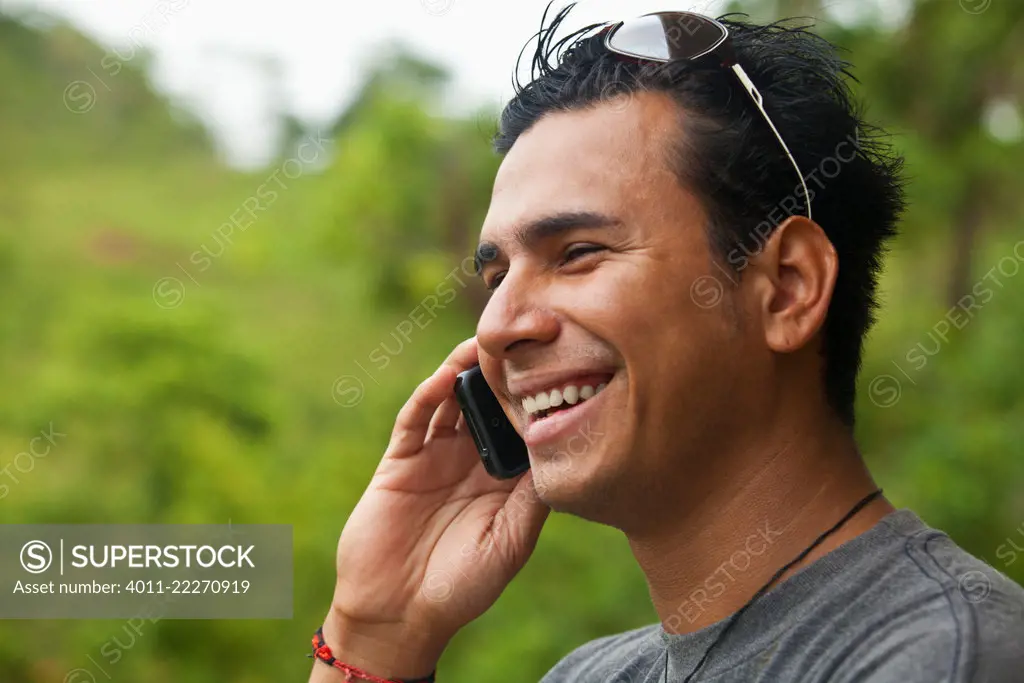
(322, 652)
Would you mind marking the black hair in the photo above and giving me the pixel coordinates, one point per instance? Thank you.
(729, 157)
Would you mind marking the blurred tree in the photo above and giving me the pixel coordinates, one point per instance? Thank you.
(67, 100)
(408, 189)
(396, 73)
(958, 64)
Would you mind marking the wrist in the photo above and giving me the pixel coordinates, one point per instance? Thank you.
(392, 651)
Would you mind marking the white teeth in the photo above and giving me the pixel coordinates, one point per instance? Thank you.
(555, 399)
(570, 395)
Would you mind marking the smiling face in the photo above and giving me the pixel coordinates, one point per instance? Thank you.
(596, 247)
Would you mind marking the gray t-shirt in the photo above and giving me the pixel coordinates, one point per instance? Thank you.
(900, 603)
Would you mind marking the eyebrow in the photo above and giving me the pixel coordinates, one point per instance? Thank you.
(543, 228)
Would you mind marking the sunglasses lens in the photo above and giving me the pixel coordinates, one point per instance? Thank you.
(667, 36)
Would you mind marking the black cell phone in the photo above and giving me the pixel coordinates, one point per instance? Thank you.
(500, 446)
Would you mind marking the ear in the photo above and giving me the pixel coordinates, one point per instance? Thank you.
(792, 279)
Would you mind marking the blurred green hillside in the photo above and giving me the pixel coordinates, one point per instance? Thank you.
(204, 373)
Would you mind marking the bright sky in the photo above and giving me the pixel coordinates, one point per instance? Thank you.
(204, 50)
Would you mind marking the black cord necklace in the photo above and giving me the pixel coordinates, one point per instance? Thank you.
(732, 620)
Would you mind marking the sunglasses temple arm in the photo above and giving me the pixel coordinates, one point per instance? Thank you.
(751, 89)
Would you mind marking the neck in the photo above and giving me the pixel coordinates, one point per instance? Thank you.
(719, 552)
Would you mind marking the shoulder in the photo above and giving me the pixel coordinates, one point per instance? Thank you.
(943, 615)
(620, 658)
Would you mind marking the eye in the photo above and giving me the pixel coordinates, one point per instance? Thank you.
(576, 251)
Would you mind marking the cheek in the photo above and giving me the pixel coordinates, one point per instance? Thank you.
(650, 312)
(607, 299)
(675, 349)
(649, 308)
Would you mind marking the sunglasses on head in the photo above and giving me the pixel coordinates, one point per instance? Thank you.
(683, 36)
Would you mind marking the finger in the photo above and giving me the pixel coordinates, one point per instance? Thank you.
(444, 421)
(524, 514)
(464, 356)
(414, 418)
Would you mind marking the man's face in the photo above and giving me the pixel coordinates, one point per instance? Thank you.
(598, 249)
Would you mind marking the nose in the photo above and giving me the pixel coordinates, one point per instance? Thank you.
(516, 318)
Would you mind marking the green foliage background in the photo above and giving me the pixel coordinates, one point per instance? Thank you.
(224, 406)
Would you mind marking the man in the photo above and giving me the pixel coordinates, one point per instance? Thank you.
(708, 269)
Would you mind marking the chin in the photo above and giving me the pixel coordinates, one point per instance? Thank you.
(578, 492)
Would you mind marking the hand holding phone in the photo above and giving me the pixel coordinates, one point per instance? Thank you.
(502, 450)
(433, 541)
